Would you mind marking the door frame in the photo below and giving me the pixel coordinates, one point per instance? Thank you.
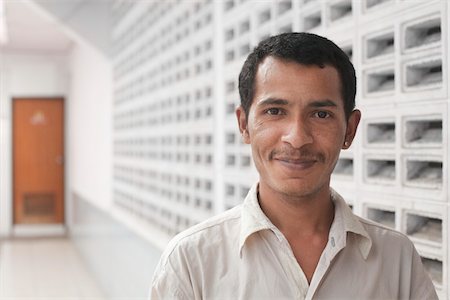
(37, 229)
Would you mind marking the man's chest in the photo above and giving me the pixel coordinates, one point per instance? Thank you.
(266, 270)
(307, 252)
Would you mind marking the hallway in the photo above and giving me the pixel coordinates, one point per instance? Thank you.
(129, 135)
(44, 268)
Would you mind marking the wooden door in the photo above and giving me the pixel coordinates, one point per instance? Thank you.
(38, 156)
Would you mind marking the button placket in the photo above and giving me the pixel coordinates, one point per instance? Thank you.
(292, 265)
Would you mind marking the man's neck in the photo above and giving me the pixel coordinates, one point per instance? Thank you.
(298, 216)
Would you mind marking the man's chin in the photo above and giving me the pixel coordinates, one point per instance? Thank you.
(296, 188)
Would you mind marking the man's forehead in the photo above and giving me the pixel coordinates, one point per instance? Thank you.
(280, 71)
(270, 61)
(325, 102)
(274, 68)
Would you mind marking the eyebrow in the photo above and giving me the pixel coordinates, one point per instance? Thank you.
(283, 102)
(272, 101)
(323, 103)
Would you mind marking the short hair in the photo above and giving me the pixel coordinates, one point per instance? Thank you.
(303, 48)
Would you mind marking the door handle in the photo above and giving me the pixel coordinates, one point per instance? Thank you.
(59, 160)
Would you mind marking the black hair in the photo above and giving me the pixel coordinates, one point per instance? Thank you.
(303, 48)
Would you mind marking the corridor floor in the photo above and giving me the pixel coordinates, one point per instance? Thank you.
(41, 269)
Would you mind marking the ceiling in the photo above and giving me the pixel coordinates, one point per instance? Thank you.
(29, 30)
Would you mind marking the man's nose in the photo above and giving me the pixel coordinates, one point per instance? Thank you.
(297, 133)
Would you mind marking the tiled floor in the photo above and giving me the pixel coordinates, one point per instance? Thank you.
(41, 269)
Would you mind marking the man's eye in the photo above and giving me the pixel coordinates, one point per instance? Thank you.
(322, 114)
(273, 111)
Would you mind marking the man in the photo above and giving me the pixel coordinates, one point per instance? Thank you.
(293, 237)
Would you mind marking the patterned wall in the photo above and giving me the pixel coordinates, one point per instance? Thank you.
(178, 155)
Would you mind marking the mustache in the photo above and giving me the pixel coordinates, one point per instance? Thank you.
(289, 153)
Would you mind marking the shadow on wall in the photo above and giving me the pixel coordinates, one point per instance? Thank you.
(121, 261)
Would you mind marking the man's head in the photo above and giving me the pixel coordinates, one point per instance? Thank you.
(303, 48)
(297, 112)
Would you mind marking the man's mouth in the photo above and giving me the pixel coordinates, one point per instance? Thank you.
(296, 163)
(296, 160)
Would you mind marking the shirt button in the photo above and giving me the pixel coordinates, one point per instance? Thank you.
(332, 242)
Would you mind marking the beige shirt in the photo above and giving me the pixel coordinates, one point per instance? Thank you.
(240, 254)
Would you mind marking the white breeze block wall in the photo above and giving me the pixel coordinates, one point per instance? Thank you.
(178, 155)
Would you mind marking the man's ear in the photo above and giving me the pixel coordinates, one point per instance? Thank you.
(243, 125)
(352, 126)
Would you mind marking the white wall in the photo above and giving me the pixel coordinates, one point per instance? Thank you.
(156, 185)
(23, 75)
(101, 235)
(83, 78)
(88, 19)
(89, 142)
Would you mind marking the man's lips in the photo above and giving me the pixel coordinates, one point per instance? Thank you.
(296, 163)
(296, 160)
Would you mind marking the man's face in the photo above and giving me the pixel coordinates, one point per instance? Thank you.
(296, 126)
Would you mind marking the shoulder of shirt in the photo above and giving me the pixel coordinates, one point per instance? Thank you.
(379, 230)
(202, 229)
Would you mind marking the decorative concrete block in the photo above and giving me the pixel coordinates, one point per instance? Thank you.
(179, 158)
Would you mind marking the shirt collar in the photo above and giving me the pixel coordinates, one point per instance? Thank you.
(346, 222)
(254, 220)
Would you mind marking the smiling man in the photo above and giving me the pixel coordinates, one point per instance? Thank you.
(293, 237)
